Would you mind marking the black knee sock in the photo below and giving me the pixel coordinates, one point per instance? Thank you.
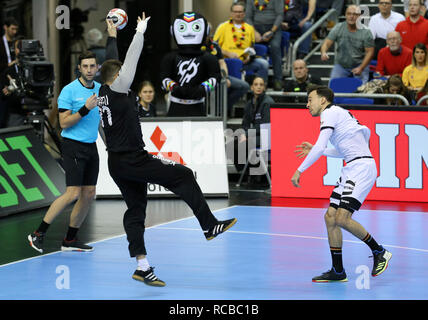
(374, 246)
(71, 233)
(336, 256)
(43, 227)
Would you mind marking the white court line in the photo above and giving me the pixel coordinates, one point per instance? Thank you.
(296, 236)
(360, 211)
(106, 239)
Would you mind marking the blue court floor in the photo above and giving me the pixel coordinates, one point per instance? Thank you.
(271, 253)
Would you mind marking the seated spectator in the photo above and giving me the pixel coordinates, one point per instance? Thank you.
(297, 24)
(236, 87)
(423, 10)
(256, 112)
(301, 82)
(382, 23)
(415, 28)
(394, 85)
(393, 58)
(423, 92)
(235, 37)
(146, 95)
(332, 4)
(355, 47)
(266, 17)
(416, 74)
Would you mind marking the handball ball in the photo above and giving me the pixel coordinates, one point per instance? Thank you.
(119, 18)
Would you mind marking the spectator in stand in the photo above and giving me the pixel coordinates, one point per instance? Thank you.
(235, 37)
(423, 92)
(354, 50)
(332, 4)
(383, 22)
(236, 87)
(303, 79)
(415, 28)
(416, 74)
(395, 85)
(7, 60)
(146, 95)
(423, 11)
(393, 58)
(266, 16)
(297, 24)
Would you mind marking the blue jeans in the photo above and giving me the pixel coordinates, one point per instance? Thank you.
(296, 32)
(258, 66)
(274, 49)
(237, 89)
(341, 72)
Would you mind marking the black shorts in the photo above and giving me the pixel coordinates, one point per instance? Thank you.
(81, 163)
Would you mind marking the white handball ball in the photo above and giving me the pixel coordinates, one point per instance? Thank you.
(119, 18)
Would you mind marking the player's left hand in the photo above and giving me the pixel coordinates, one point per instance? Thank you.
(295, 180)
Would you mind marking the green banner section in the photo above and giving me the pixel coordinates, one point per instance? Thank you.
(29, 176)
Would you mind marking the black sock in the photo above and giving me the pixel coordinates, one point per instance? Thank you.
(371, 242)
(336, 256)
(43, 227)
(71, 233)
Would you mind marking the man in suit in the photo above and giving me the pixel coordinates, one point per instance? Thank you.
(7, 59)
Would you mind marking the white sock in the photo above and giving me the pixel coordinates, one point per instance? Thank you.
(143, 264)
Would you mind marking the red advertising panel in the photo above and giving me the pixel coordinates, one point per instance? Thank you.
(398, 142)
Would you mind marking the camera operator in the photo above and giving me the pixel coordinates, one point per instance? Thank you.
(15, 114)
(7, 59)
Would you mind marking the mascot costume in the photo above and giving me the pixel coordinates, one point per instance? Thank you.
(189, 73)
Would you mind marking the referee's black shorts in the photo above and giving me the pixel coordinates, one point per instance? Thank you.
(81, 163)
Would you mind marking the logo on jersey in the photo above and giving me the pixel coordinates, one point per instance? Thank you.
(187, 70)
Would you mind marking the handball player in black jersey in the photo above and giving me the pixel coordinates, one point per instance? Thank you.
(132, 167)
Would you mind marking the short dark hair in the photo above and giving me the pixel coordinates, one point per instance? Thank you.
(10, 21)
(322, 91)
(87, 55)
(237, 3)
(109, 69)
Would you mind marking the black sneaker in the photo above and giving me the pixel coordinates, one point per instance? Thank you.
(148, 277)
(331, 276)
(75, 245)
(36, 241)
(380, 261)
(220, 227)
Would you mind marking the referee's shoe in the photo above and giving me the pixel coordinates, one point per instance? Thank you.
(218, 228)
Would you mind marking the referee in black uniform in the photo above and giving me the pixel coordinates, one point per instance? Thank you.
(132, 167)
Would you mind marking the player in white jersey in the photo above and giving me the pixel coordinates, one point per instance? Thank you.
(350, 141)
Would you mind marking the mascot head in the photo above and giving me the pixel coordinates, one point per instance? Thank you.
(190, 29)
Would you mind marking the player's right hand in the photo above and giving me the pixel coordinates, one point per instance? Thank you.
(303, 149)
(91, 102)
(111, 28)
(142, 23)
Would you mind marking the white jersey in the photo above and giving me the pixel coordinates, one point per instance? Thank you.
(349, 137)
